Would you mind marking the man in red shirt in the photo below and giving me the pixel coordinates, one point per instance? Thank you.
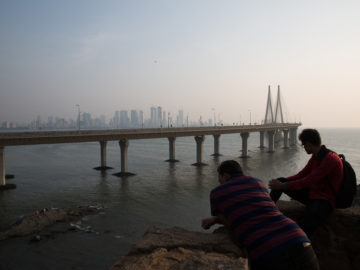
(312, 186)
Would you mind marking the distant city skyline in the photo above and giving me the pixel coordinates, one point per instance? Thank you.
(203, 56)
(121, 119)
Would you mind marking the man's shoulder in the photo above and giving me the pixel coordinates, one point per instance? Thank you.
(241, 180)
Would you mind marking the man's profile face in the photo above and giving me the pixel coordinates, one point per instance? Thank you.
(308, 147)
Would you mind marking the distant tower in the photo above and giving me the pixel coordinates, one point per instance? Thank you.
(134, 119)
(269, 116)
(153, 116)
(159, 116)
(278, 110)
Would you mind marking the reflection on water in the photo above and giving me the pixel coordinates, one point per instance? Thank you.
(160, 194)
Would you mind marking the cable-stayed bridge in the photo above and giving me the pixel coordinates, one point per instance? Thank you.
(271, 125)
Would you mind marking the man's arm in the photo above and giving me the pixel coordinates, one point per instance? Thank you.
(327, 166)
(304, 172)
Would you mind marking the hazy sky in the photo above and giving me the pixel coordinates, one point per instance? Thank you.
(195, 55)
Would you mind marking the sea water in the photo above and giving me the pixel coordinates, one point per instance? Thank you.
(160, 194)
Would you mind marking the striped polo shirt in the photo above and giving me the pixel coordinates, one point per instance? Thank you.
(254, 218)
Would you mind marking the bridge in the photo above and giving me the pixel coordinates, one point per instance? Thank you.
(270, 128)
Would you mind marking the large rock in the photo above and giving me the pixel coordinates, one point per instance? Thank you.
(177, 249)
(336, 243)
(41, 219)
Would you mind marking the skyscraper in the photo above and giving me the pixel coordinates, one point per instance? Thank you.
(134, 119)
(153, 116)
(124, 119)
(159, 117)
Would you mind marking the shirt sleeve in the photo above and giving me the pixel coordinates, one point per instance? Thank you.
(316, 176)
(304, 172)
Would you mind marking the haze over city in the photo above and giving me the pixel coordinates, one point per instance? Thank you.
(202, 57)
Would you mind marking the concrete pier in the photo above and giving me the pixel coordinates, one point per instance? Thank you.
(244, 138)
(103, 157)
(124, 144)
(172, 149)
(199, 150)
(2, 166)
(262, 138)
(293, 136)
(216, 145)
(271, 137)
(286, 138)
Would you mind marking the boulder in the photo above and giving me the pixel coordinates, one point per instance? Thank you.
(179, 249)
(40, 219)
(336, 243)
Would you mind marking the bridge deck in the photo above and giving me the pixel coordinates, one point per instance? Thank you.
(52, 137)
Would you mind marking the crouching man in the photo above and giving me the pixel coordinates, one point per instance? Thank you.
(243, 204)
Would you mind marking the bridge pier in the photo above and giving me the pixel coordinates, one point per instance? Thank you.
(262, 138)
(293, 136)
(102, 166)
(216, 145)
(124, 144)
(172, 149)
(2, 166)
(244, 138)
(3, 185)
(286, 138)
(199, 150)
(271, 136)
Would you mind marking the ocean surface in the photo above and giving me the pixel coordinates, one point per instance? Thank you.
(160, 194)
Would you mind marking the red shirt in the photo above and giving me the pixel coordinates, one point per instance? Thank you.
(317, 176)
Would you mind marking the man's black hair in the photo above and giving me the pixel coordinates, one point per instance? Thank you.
(230, 167)
(311, 136)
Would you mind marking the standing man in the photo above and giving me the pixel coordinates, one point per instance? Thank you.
(315, 184)
(243, 204)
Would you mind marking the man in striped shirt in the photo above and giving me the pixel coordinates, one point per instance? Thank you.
(243, 204)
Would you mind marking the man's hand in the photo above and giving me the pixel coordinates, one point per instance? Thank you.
(275, 184)
(206, 223)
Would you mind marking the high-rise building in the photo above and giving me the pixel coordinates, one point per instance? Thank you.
(134, 119)
(180, 118)
(141, 118)
(153, 116)
(159, 117)
(124, 119)
(86, 120)
(116, 120)
(164, 121)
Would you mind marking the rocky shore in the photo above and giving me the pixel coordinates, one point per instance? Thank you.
(336, 243)
(35, 223)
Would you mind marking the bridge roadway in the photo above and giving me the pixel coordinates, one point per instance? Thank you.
(124, 135)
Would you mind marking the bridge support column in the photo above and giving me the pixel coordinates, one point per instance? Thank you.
(199, 150)
(103, 166)
(293, 136)
(244, 138)
(286, 138)
(172, 149)
(3, 175)
(271, 135)
(124, 144)
(2, 166)
(216, 145)
(262, 137)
